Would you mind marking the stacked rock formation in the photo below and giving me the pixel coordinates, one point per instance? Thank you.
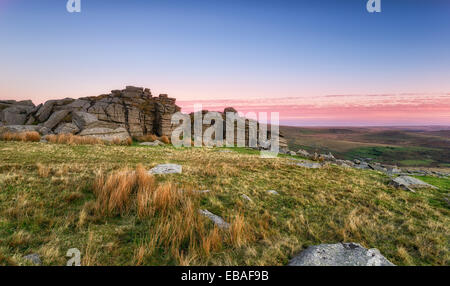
(240, 125)
(132, 111)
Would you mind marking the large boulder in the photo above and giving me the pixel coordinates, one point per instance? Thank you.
(56, 118)
(24, 128)
(44, 112)
(340, 254)
(107, 134)
(66, 128)
(82, 119)
(19, 128)
(13, 116)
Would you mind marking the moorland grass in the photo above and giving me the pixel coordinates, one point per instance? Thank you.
(101, 200)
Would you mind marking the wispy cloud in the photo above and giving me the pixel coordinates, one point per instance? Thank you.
(391, 109)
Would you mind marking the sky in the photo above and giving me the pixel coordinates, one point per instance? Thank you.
(316, 62)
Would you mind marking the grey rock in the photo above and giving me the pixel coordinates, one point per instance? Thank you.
(377, 167)
(66, 128)
(44, 112)
(309, 165)
(82, 119)
(106, 134)
(362, 166)
(247, 198)
(215, 218)
(15, 115)
(340, 254)
(44, 130)
(292, 153)
(19, 128)
(56, 118)
(407, 183)
(303, 153)
(166, 169)
(272, 192)
(327, 157)
(33, 258)
(154, 143)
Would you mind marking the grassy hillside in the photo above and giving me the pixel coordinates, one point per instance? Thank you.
(409, 147)
(100, 200)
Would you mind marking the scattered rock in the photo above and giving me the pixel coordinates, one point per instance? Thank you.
(362, 166)
(327, 157)
(216, 219)
(303, 153)
(407, 183)
(33, 258)
(377, 167)
(292, 153)
(309, 165)
(245, 197)
(272, 192)
(154, 143)
(340, 254)
(166, 169)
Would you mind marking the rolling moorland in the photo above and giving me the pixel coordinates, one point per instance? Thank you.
(422, 146)
(100, 199)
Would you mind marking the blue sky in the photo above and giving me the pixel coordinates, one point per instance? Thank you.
(217, 49)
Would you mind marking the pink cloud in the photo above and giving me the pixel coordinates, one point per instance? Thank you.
(383, 109)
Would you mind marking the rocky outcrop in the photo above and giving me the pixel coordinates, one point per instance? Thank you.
(133, 108)
(340, 254)
(240, 125)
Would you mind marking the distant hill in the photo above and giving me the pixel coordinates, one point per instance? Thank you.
(405, 146)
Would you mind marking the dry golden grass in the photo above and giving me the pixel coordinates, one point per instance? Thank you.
(43, 171)
(165, 139)
(29, 136)
(176, 221)
(146, 138)
(71, 139)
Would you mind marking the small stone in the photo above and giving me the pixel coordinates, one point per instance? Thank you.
(153, 144)
(309, 165)
(33, 258)
(272, 192)
(166, 169)
(215, 218)
(245, 197)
